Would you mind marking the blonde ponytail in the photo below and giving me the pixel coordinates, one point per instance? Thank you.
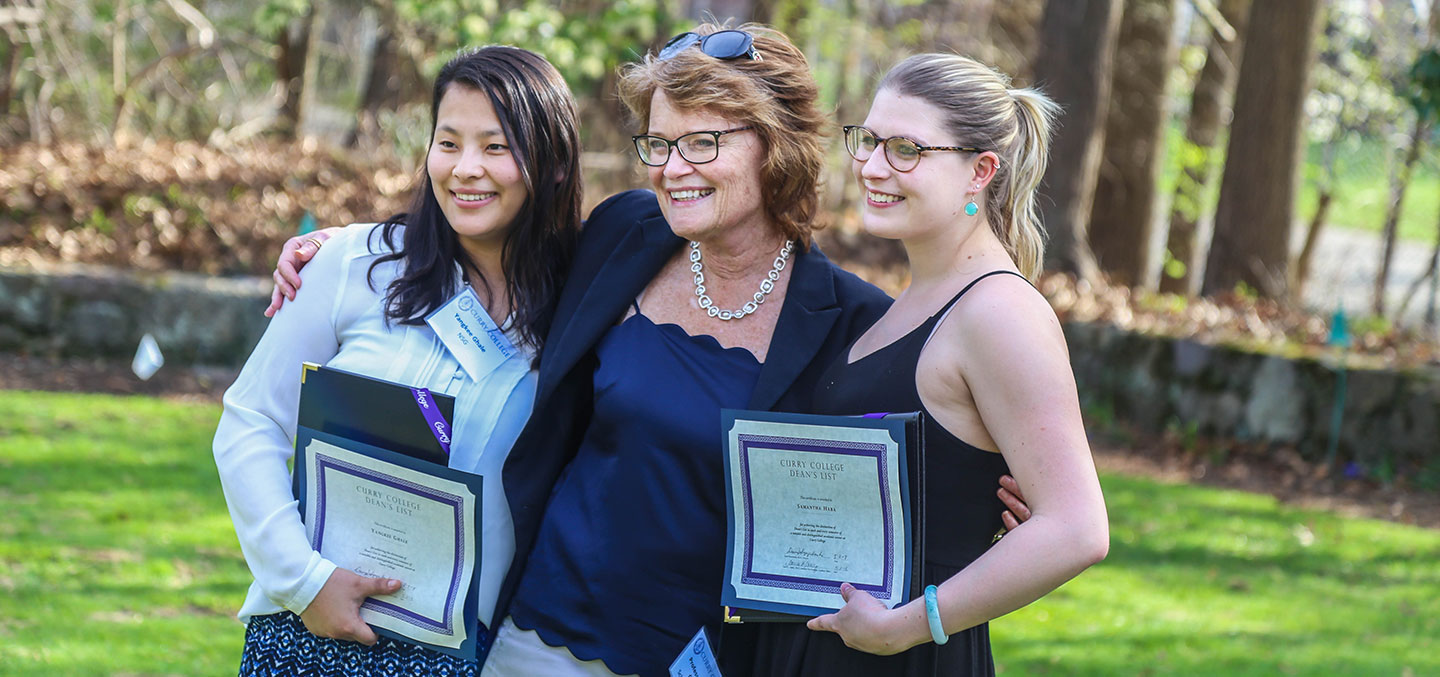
(982, 111)
(1027, 157)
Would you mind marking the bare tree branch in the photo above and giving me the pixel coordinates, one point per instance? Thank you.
(204, 41)
(19, 16)
(205, 30)
(1216, 19)
(119, 46)
(39, 101)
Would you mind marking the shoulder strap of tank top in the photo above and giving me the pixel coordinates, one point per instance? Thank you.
(938, 317)
(973, 282)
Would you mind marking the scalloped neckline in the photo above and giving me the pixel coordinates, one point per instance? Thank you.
(705, 340)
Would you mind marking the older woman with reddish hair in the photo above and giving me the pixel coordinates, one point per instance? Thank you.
(703, 295)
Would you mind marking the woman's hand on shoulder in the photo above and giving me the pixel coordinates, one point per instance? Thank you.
(335, 612)
(294, 254)
(866, 624)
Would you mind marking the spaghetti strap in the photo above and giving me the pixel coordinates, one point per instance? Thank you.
(974, 282)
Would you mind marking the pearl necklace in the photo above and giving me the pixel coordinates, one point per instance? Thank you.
(767, 285)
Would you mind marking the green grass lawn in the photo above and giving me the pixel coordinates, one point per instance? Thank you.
(116, 552)
(1203, 581)
(117, 557)
(1362, 190)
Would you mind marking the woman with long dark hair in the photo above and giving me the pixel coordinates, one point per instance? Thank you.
(498, 210)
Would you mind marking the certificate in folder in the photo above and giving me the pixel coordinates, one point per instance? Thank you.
(816, 501)
(374, 501)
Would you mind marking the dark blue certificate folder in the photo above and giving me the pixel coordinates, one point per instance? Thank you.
(371, 411)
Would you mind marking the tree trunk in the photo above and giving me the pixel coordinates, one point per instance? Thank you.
(38, 111)
(293, 41)
(1208, 105)
(1434, 282)
(1326, 191)
(1417, 283)
(1257, 191)
(1122, 217)
(1012, 36)
(119, 43)
(1430, 271)
(1077, 45)
(1392, 214)
(13, 48)
(762, 11)
(382, 87)
(311, 73)
(1312, 237)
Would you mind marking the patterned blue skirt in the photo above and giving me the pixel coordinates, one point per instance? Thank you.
(278, 645)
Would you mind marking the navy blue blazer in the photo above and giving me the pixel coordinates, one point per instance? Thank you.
(624, 244)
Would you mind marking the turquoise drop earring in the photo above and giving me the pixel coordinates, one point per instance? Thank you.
(971, 208)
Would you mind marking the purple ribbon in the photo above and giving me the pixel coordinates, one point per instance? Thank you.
(882, 414)
(438, 426)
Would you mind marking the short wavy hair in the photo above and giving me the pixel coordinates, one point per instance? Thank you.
(776, 95)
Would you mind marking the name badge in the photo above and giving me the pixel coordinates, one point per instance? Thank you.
(470, 335)
(696, 659)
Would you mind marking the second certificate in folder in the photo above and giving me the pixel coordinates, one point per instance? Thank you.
(816, 501)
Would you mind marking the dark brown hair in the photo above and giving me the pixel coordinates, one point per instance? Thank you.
(537, 113)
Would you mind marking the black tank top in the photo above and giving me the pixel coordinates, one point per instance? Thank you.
(961, 508)
(962, 516)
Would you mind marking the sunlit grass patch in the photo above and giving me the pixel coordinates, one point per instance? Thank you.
(1209, 581)
(117, 553)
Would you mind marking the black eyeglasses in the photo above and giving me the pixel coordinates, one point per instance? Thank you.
(697, 148)
(729, 44)
(902, 153)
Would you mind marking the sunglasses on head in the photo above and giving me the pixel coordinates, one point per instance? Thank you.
(727, 44)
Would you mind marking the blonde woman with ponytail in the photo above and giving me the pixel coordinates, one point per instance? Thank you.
(948, 159)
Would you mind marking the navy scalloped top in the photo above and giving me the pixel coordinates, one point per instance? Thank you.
(629, 558)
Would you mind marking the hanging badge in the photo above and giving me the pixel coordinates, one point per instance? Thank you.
(470, 335)
(696, 659)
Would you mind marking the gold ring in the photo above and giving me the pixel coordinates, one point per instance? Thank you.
(318, 242)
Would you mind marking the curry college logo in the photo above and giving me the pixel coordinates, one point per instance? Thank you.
(466, 303)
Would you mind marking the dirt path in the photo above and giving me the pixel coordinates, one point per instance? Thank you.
(30, 373)
(1344, 268)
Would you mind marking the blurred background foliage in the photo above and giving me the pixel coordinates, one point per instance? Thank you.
(145, 103)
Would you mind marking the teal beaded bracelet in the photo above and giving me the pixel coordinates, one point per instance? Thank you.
(932, 611)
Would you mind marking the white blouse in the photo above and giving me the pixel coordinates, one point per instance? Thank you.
(337, 319)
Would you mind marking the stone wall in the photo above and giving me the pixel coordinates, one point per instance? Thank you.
(1390, 417)
(85, 311)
